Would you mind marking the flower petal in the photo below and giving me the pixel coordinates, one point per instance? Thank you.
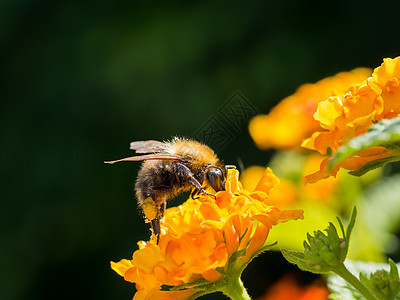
(267, 182)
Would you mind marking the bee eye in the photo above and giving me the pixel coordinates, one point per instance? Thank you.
(215, 178)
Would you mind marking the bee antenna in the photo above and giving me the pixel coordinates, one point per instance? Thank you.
(110, 162)
(119, 160)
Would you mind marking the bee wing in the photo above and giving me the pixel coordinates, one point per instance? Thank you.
(150, 146)
(156, 156)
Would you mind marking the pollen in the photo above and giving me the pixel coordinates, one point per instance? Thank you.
(149, 208)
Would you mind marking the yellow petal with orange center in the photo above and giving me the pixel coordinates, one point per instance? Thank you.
(327, 112)
(359, 103)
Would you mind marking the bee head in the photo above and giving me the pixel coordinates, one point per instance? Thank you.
(215, 178)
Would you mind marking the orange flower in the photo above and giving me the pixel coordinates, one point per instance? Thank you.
(200, 236)
(292, 120)
(287, 288)
(345, 117)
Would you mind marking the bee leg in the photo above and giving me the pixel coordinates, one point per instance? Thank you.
(155, 225)
(187, 175)
(193, 181)
(208, 194)
(162, 209)
(154, 206)
(194, 194)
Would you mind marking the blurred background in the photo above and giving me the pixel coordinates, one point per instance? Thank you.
(82, 79)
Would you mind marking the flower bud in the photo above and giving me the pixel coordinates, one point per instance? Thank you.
(384, 284)
(323, 252)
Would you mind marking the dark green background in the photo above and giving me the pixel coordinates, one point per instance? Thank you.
(81, 79)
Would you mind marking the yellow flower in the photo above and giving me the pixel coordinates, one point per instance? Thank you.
(347, 116)
(200, 236)
(292, 120)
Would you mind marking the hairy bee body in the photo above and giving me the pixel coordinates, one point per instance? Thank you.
(175, 166)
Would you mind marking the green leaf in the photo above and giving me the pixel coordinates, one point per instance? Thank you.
(386, 133)
(199, 283)
(294, 257)
(298, 258)
(235, 256)
(350, 226)
(369, 166)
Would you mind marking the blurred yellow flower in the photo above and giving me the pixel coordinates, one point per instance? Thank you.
(289, 192)
(200, 236)
(292, 120)
(345, 117)
(250, 176)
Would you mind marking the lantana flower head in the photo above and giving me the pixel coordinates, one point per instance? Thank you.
(345, 117)
(200, 238)
(292, 120)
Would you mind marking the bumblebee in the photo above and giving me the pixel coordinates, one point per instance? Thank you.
(170, 168)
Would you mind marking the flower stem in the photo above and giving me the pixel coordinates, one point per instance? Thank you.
(236, 290)
(343, 272)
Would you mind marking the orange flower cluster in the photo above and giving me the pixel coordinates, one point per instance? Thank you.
(292, 120)
(287, 288)
(200, 236)
(345, 117)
